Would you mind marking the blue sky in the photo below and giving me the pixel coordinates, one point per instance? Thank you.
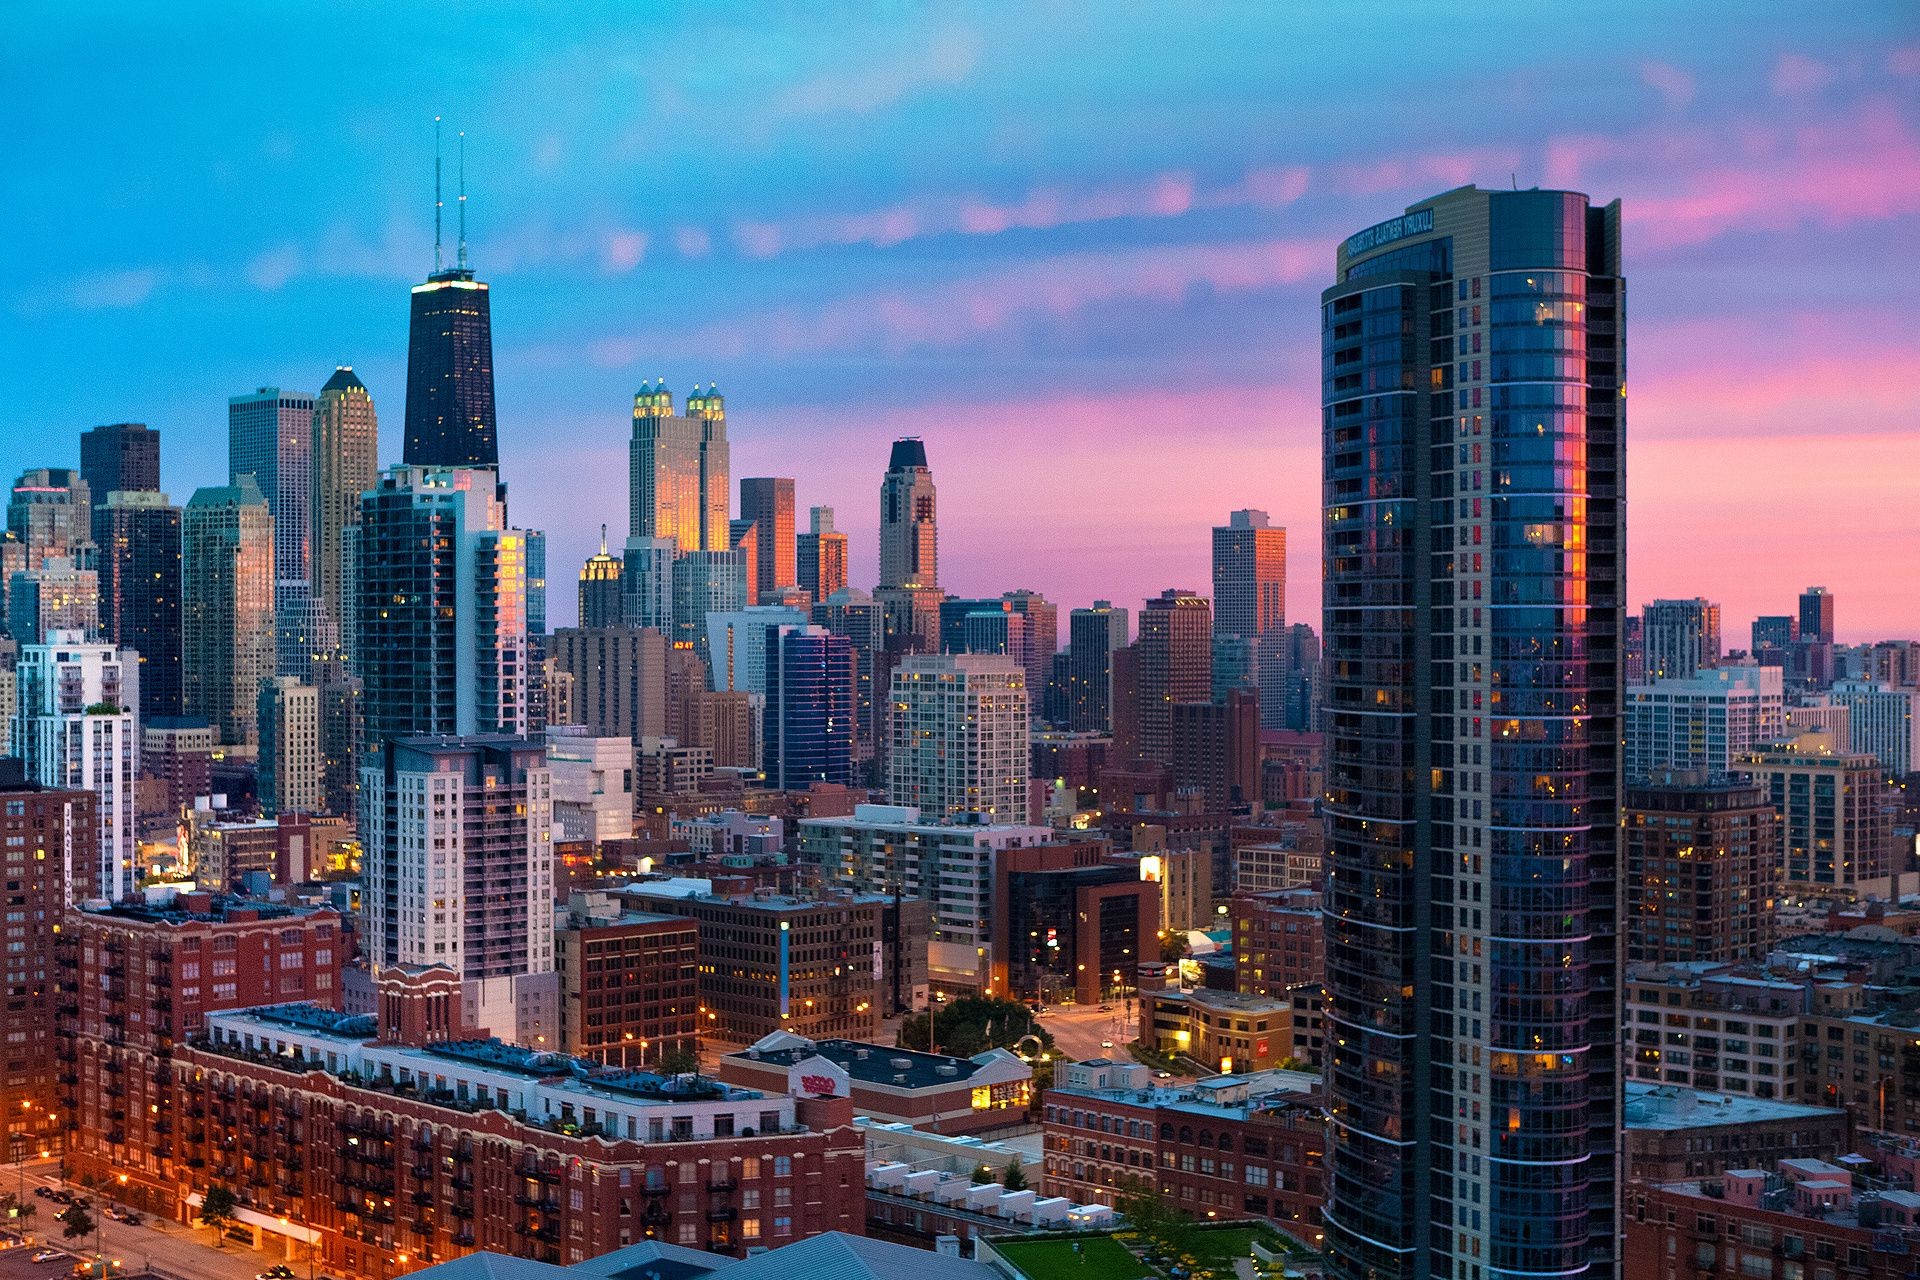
(1076, 247)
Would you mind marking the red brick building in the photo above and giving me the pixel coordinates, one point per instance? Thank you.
(1069, 919)
(1227, 1147)
(1278, 943)
(930, 1091)
(629, 983)
(42, 834)
(387, 1155)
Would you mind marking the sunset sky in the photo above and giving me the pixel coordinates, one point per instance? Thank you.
(1078, 249)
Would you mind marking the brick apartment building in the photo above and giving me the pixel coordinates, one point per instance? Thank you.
(629, 982)
(931, 1091)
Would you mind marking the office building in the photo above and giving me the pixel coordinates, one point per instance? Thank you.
(677, 477)
(450, 411)
(346, 463)
(1817, 713)
(1092, 636)
(959, 744)
(1279, 943)
(1108, 1125)
(934, 1092)
(822, 968)
(458, 869)
(629, 983)
(909, 549)
(178, 750)
(646, 583)
(45, 832)
(1069, 920)
(1680, 637)
(1816, 616)
(440, 610)
(1216, 1028)
(1675, 1133)
(50, 512)
(948, 866)
(75, 729)
(1773, 638)
(808, 729)
(120, 457)
(592, 784)
(1250, 611)
(1706, 723)
(1836, 812)
(1883, 721)
(270, 438)
(767, 501)
(1474, 546)
(601, 600)
(291, 776)
(736, 651)
(340, 738)
(820, 556)
(706, 582)
(137, 536)
(1175, 664)
(227, 607)
(619, 678)
(57, 596)
(853, 613)
(1216, 749)
(1703, 866)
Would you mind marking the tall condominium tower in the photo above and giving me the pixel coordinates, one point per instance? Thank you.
(677, 469)
(959, 739)
(440, 609)
(226, 607)
(646, 583)
(909, 588)
(121, 457)
(291, 769)
(1175, 657)
(1679, 637)
(705, 582)
(51, 513)
(820, 556)
(1816, 615)
(1250, 610)
(346, 463)
(1092, 636)
(449, 420)
(1474, 561)
(601, 598)
(270, 437)
(76, 729)
(808, 727)
(137, 533)
(852, 613)
(768, 502)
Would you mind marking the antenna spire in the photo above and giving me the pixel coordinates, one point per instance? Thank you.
(463, 199)
(436, 195)
(603, 539)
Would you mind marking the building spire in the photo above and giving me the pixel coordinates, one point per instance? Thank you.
(603, 539)
(463, 199)
(436, 195)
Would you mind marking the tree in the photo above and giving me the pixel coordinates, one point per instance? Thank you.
(982, 1174)
(1015, 1177)
(680, 1062)
(79, 1223)
(216, 1211)
(1164, 1227)
(1173, 946)
(973, 1025)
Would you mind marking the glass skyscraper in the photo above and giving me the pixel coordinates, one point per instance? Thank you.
(449, 421)
(1473, 356)
(270, 437)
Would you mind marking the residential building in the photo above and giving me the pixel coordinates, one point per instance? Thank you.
(1674, 1133)
(270, 439)
(138, 539)
(1215, 751)
(768, 502)
(629, 983)
(959, 738)
(1883, 721)
(1681, 637)
(933, 1091)
(677, 481)
(346, 463)
(809, 724)
(854, 614)
(227, 609)
(1093, 634)
(1706, 723)
(290, 757)
(1174, 653)
(1703, 870)
(50, 512)
(75, 729)
(619, 677)
(57, 596)
(705, 582)
(820, 556)
(1475, 561)
(1250, 610)
(646, 583)
(1836, 812)
(1279, 943)
(178, 750)
(1717, 1028)
(737, 639)
(593, 780)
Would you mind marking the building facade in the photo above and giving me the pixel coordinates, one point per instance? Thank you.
(809, 726)
(75, 729)
(1681, 637)
(137, 537)
(1703, 871)
(959, 745)
(1174, 663)
(450, 412)
(346, 463)
(677, 477)
(820, 556)
(290, 757)
(120, 457)
(270, 438)
(227, 635)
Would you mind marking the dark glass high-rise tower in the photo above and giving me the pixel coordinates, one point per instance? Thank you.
(1473, 355)
(450, 374)
(120, 457)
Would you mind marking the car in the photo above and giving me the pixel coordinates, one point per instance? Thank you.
(62, 1195)
(48, 1255)
(43, 1192)
(278, 1271)
(1163, 1075)
(1106, 1008)
(133, 1219)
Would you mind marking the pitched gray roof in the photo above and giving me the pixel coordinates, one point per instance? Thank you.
(835, 1255)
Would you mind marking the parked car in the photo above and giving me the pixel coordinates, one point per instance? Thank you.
(278, 1271)
(48, 1255)
(43, 1192)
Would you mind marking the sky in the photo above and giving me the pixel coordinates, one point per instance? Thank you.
(1077, 248)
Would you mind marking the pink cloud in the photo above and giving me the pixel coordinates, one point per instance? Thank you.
(1905, 60)
(1423, 173)
(623, 251)
(1795, 75)
(692, 242)
(1673, 85)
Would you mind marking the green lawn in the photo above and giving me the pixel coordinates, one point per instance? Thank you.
(1100, 1258)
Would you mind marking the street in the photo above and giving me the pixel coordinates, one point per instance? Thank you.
(159, 1243)
(1082, 1031)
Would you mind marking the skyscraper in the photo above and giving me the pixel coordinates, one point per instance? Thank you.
(646, 583)
(677, 469)
(346, 463)
(51, 512)
(1250, 609)
(226, 607)
(1092, 636)
(909, 548)
(768, 502)
(270, 437)
(820, 556)
(1703, 868)
(705, 582)
(290, 758)
(137, 533)
(853, 614)
(808, 729)
(449, 420)
(75, 728)
(121, 457)
(600, 595)
(1175, 652)
(1679, 637)
(440, 614)
(959, 741)
(1474, 560)
(1816, 615)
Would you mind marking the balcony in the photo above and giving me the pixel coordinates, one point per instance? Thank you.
(721, 1181)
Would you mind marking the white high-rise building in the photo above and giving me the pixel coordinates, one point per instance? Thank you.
(1883, 721)
(592, 784)
(959, 738)
(75, 726)
(459, 872)
(290, 771)
(1708, 722)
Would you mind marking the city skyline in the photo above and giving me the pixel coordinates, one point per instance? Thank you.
(1118, 294)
